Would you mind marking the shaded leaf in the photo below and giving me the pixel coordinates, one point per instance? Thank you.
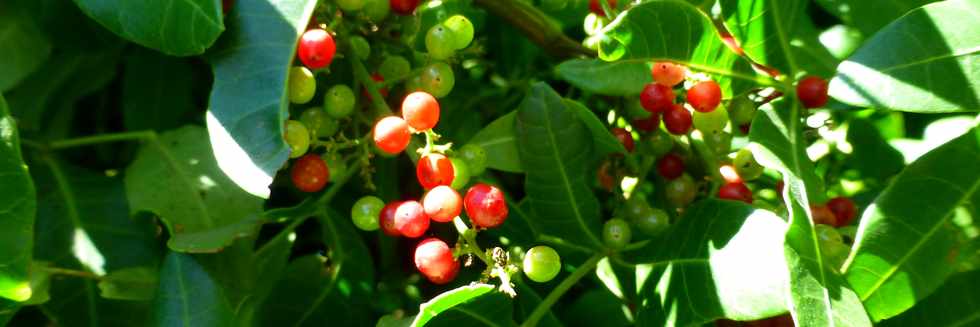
(619, 78)
(498, 139)
(779, 34)
(956, 303)
(605, 142)
(203, 210)
(157, 91)
(597, 307)
(525, 303)
(17, 208)
(174, 27)
(136, 283)
(906, 244)
(555, 149)
(868, 16)
(248, 105)
(25, 47)
(189, 296)
(939, 71)
(871, 154)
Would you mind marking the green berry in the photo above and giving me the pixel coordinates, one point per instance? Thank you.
(350, 5)
(462, 173)
(376, 10)
(438, 79)
(650, 221)
(720, 143)
(365, 212)
(746, 166)
(298, 138)
(741, 110)
(659, 142)
(463, 30)
(302, 85)
(541, 263)
(317, 122)
(339, 101)
(616, 233)
(361, 47)
(440, 42)
(681, 190)
(475, 157)
(711, 122)
(395, 66)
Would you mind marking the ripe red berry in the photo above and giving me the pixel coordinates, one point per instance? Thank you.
(434, 259)
(596, 7)
(485, 205)
(387, 219)
(310, 173)
(670, 166)
(391, 134)
(316, 48)
(704, 96)
(677, 120)
(605, 176)
(844, 210)
(823, 215)
(625, 138)
(420, 110)
(410, 219)
(433, 170)
(668, 73)
(404, 7)
(812, 91)
(656, 97)
(736, 192)
(648, 124)
(442, 204)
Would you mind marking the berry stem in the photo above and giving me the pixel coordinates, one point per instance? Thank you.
(536, 26)
(469, 241)
(560, 290)
(279, 236)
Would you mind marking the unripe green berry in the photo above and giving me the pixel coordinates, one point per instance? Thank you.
(302, 85)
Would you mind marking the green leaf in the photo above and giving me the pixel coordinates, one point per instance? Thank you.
(188, 296)
(869, 16)
(956, 303)
(906, 243)
(468, 305)
(136, 283)
(157, 91)
(525, 303)
(871, 154)
(174, 27)
(498, 139)
(175, 176)
(618, 78)
(555, 149)
(605, 142)
(40, 285)
(677, 31)
(25, 46)
(723, 259)
(940, 71)
(248, 105)
(17, 208)
(818, 296)
(597, 307)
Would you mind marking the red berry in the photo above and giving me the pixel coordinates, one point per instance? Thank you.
(844, 210)
(812, 91)
(387, 219)
(670, 166)
(434, 259)
(736, 192)
(410, 219)
(316, 48)
(704, 96)
(605, 177)
(485, 205)
(310, 173)
(420, 110)
(433, 170)
(648, 124)
(378, 79)
(624, 137)
(823, 215)
(596, 7)
(391, 134)
(656, 97)
(677, 120)
(404, 7)
(442, 204)
(668, 73)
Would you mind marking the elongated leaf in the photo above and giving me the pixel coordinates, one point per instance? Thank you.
(17, 208)
(619, 78)
(939, 73)
(174, 27)
(175, 176)
(136, 283)
(189, 296)
(555, 149)
(605, 142)
(25, 46)
(248, 99)
(157, 91)
(498, 139)
(906, 244)
(956, 303)
(819, 297)
(869, 16)
(723, 259)
(468, 305)
(778, 33)
(676, 31)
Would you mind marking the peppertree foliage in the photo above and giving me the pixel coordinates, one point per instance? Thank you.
(145, 178)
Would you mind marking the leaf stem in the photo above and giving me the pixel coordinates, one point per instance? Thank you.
(72, 272)
(536, 26)
(102, 138)
(560, 290)
(281, 234)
